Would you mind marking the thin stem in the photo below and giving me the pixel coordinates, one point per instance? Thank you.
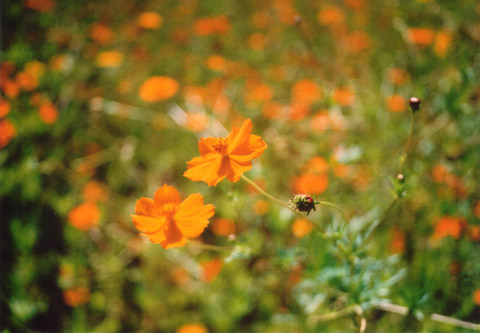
(271, 197)
(330, 204)
(406, 148)
(402, 310)
(210, 247)
(335, 315)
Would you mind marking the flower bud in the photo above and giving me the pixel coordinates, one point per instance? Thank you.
(303, 203)
(414, 104)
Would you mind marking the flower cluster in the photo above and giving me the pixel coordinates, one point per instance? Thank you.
(168, 220)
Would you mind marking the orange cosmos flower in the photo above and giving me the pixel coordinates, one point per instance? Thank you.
(168, 221)
(7, 132)
(192, 328)
(158, 88)
(76, 296)
(226, 157)
(150, 20)
(84, 216)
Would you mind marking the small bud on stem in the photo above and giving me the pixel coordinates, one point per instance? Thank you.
(414, 104)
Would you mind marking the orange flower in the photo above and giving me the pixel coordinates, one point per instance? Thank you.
(343, 96)
(76, 296)
(449, 226)
(217, 25)
(4, 107)
(101, 33)
(110, 59)
(310, 183)
(226, 157)
(84, 216)
(7, 132)
(306, 91)
(211, 269)
(192, 328)
(150, 20)
(223, 227)
(476, 296)
(421, 36)
(301, 227)
(158, 88)
(396, 103)
(168, 221)
(94, 192)
(398, 76)
(48, 112)
(331, 15)
(42, 6)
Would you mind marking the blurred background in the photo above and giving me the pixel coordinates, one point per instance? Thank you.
(102, 102)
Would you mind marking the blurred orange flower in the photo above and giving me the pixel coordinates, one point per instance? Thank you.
(449, 226)
(475, 233)
(4, 107)
(192, 328)
(260, 207)
(169, 221)
(215, 25)
(442, 43)
(330, 15)
(7, 132)
(397, 243)
(223, 227)
(476, 297)
(76, 296)
(343, 96)
(396, 103)
(197, 121)
(211, 269)
(158, 88)
(301, 227)
(26, 81)
(94, 192)
(476, 209)
(357, 41)
(306, 91)
(150, 20)
(101, 33)
(310, 183)
(257, 41)
(84, 216)
(421, 36)
(48, 112)
(110, 59)
(42, 6)
(226, 157)
(217, 63)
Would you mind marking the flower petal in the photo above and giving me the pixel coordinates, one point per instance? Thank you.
(146, 206)
(147, 223)
(238, 169)
(205, 168)
(250, 150)
(205, 145)
(166, 194)
(173, 236)
(192, 215)
(239, 136)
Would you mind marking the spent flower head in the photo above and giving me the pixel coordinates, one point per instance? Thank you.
(303, 203)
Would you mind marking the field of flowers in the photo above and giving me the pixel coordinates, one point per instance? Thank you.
(240, 166)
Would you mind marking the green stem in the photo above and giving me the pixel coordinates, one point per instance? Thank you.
(330, 204)
(271, 197)
(403, 157)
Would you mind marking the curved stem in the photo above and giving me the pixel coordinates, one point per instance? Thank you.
(330, 204)
(271, 197)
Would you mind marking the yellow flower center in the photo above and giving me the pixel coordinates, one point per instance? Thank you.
(220, 145)
(169, 209)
